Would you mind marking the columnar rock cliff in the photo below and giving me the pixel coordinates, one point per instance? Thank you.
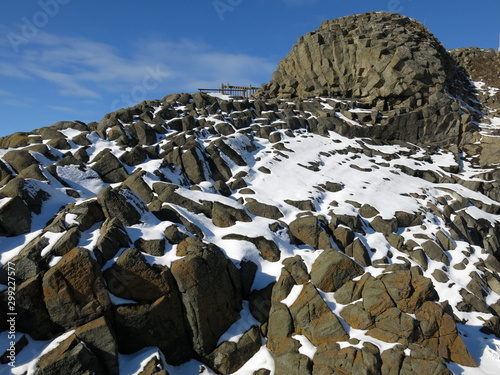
(388, 62)
(209, 234)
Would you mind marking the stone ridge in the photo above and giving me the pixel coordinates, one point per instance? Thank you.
(211, 159)
(483, 66)
(388, 61)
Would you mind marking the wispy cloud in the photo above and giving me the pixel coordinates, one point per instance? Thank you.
(6, 93)
(88, 69)
(63, 109)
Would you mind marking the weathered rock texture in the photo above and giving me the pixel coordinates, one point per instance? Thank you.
(166, 224)
(482, 66)
(390, 63)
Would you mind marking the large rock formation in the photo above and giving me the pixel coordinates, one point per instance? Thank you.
(388, 62)
(275, 233)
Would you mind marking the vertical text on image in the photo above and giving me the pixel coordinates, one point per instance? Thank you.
(11, 313)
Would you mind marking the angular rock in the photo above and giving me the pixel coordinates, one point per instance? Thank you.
(333, 269)
(99, 337)
(109, 168)
(67, 242)
(230, 356)
(112, 238)
(70, 357)
(224, 216)
(74, 290)
(312, 231)
(32, 316)
(19, 159)
(438, 332)
(132, 278)
(136, 183)
(313, 318)
(121, 203)
(15, 217)
(268, 249)
(160, 324)
(261, 209)
(210, 287)
(30, 191)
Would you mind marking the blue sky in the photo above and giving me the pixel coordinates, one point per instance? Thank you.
(78, 60)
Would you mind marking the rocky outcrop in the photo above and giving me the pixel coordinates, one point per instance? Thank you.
(482, 66)
(299, 234)
(390, 63)
(210, 289)
(74, 290)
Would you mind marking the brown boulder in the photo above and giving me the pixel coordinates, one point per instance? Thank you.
(333, 269)
(121, 203)
(132, 278)
(438, 332)
(74, 290)
(160, 324)
(210, 287)
(224, 216)
(230, 356)
(313, 318)
(312, 231)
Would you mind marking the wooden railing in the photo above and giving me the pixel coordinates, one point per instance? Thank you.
(245, 91)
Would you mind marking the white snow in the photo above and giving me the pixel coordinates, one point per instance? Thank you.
(306, 348)
(375, 180)
(293, 295)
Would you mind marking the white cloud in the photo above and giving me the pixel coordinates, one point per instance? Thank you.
(84, 68)
(63, 109)
(6, 93)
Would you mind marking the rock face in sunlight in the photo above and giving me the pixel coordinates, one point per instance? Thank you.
(391, 64)
(347, 220)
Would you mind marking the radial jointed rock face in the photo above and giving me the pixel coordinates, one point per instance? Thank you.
(387, 61)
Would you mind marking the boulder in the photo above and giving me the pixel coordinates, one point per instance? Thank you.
(19, 159)
(75, 291)
(71, 356)
(67, 242)
(230, 356)
(438, 332)
(121, 203)
(15, 217)
(224, 216)
(261, 209)
(112, 238)
(30, 191)
(136, 183)
(333, 269)
(312, 231)
(132, 278)
(210, 287)
(99, 337)
(32, 315)
(349, 360)
(314, 319)
(109, 168)
(268, 249)
(193, 164)
(30, 262)
(160, 324)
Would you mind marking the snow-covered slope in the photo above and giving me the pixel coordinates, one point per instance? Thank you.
(303, 214)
